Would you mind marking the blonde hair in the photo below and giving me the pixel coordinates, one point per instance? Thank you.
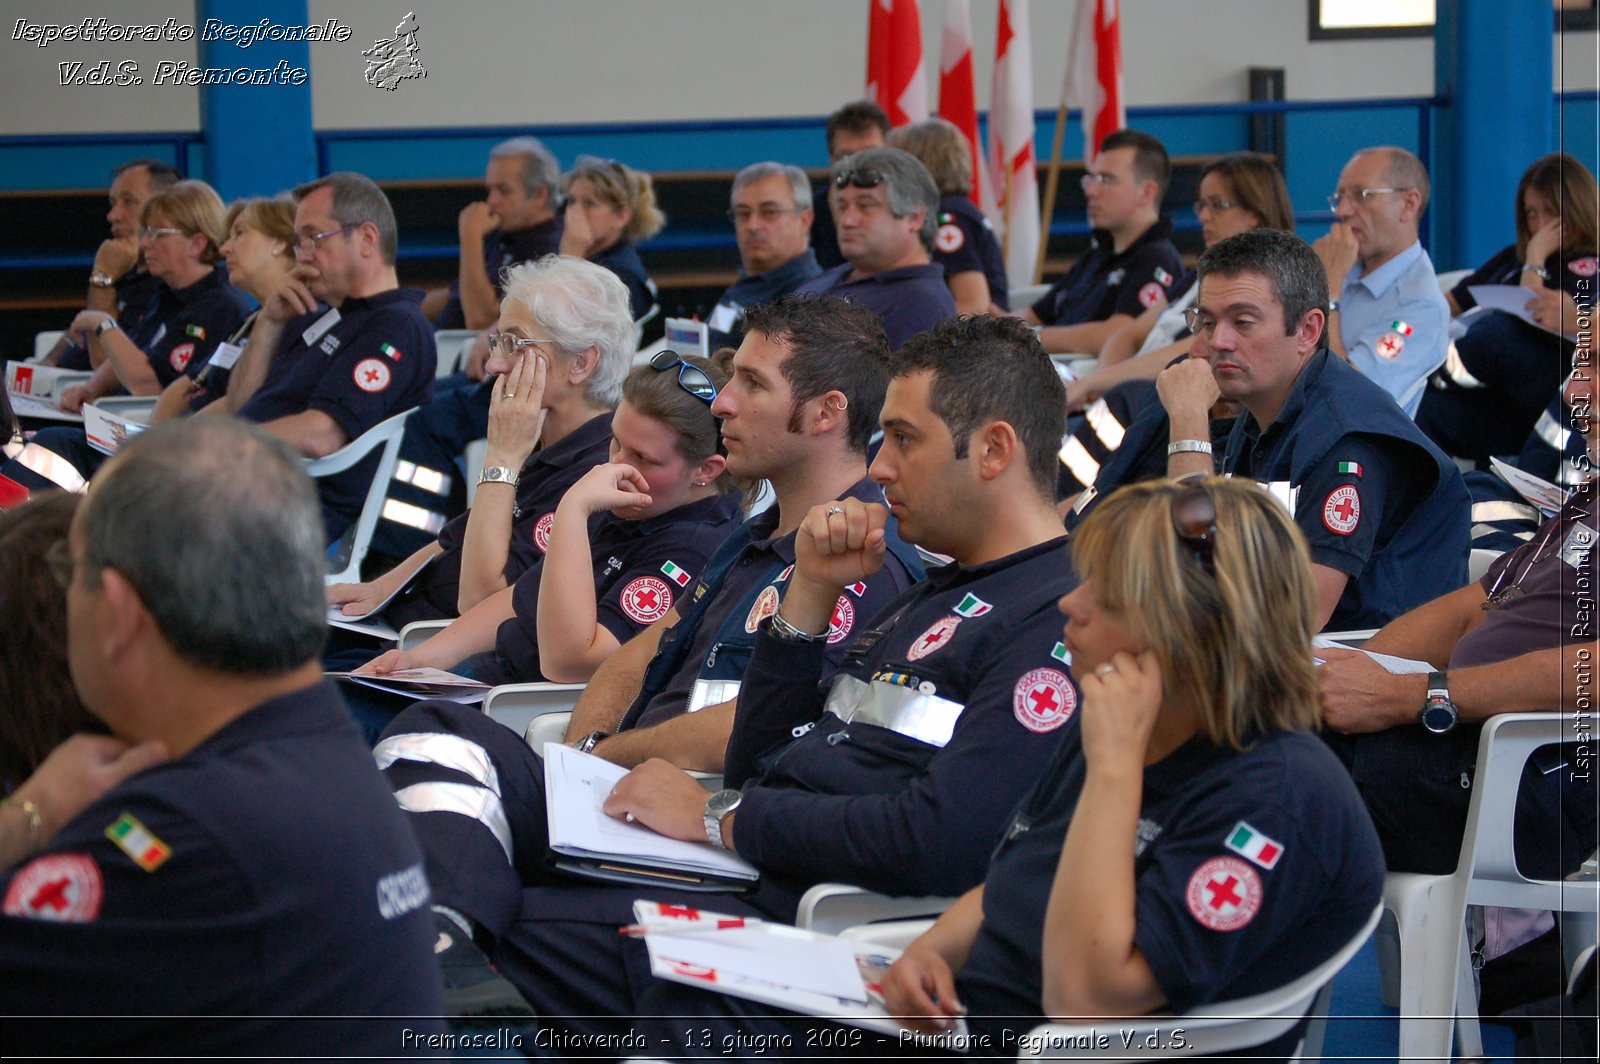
(943, 150)
(194, 207)
(620, 188)
(272, 217)
(1239, 642)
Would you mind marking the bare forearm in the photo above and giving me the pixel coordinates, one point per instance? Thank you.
(615, 684)
(471, 633)
(251, 369)
(572, 644)
(479, 303)
(1083, 338)
(486, 543)
(694, 742)
(131, 365)
(1431, 631)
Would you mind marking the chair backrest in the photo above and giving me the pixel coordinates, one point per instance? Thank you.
(43, 342)
(1450, 278)
(1024, 296)
(345, 561)
(453, 345)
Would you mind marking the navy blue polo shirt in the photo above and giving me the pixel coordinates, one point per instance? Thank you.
(1250, 868)
(500, 250)
(371, 359)
(726, 324)
(545, 477)
(623, 260)
(640, 569)
(182, 326)
(212, 377)
(1102, 283)
(136, 294)
(265, 876)
(907, 300)
(966, 242)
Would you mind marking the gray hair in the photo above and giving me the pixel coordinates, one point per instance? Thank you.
(539, 167)
(799, 183)
(357, 201)
(910, 185)
(217, 526)
(581, 305)
(1404, 169)
(1286, 261)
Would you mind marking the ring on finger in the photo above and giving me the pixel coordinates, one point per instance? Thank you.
(1105, 670)
(508, 395)
(835, 510)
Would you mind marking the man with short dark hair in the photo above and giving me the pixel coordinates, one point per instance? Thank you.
(771, 211)
(886, 207)
(856, 126)
(1130, 265)
(118, 282)
(192, 907)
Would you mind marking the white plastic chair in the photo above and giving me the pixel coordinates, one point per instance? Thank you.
(1436, 985)
(1450, 278)
(472, 459)
(1024, 296)
(517, 705)
(1479, 561)
(1220, 1027)
(834, 907)
(638, 326)
(344, 563)
(453, 345)
(419, 632)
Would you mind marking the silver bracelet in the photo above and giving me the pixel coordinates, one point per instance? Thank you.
(782, 629)
(1188, 447)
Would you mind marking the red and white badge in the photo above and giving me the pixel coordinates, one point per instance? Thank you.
(843, 619)
(765, 605)
(1044, 700)
(949, 238)
(694, 971)
(63, 887)
(180, 356)
(1341, 511)
(1224, 894)
(647, 599)
(541, 531)
(1584, 267)
(373, 375)
(1390, 344)
(937, 635)
(1151, 294)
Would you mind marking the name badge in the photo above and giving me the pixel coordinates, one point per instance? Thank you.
(711, 693)
(226, 355)
(315, 330)
(1580, 541)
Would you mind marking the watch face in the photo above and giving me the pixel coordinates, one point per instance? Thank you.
(722, 802)
(1439, 715)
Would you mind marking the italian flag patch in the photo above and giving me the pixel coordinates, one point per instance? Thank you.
(1250, 844)
(676, 574)
(196, 331)
(1401, 327)
(1059, 652)
(1352, 469)
(972, 606)
(392, 351)
(137, 841)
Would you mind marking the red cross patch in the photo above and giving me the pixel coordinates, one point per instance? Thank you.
(1341, 512)
(647, 599)
(949, 238)
(541, 531)
(1224, 894)
(935, 637)
(1044, 700)
(842, 620)
(1584, 267)
(373, 375)
(1390, 344)
(1151, 294)
(180, 356)
(765, 605)
(63, 887)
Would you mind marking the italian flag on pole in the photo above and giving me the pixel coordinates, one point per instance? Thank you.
(1254, 846)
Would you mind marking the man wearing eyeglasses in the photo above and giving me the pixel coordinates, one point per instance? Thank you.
(1386, 315)
(886, 209)
(771, 213)
(1131, 264)
(341, 346)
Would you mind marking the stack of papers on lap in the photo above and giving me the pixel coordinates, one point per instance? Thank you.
(422, 683)
(576, 786)
(43, 409)
(1397, 665)
(1548, 497)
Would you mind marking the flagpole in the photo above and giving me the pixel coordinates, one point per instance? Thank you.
(1049, 208)
(1005, 197)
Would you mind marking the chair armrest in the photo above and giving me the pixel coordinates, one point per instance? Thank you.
(516, 704)
(358, 448)
(832, 907)
(893, 935)
(418, 632)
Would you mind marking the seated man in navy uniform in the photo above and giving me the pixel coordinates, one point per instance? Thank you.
(1521, 639)
(947, 706)
(318, 378)
(1385, 513)
(771, 211)
(886, 207)
(192, 906)
(1131, 263)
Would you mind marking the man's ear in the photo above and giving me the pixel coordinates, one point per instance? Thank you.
(994, 448)
(1310, 331)
(831, 411)
(124, 615)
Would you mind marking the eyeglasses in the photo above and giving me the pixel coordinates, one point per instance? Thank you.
(1103, 178)
(691, 378)
(1358, 195)
(765, 212)
(155, 232)
(1194, 519)
(510, 345)
(1200, 323)
(1215, 205)
(862, 178)
(314, 240)
(59, 561)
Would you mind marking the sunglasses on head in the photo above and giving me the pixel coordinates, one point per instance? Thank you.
(858, 179)
(1194, 519)
(691, 378)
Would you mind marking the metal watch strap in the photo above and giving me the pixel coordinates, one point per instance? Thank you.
(782, 629)
(498, 475)
(1188, 447)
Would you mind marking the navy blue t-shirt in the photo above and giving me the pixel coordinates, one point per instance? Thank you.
(500, 250)
(907, 300)
(1103, 283)
(726, 324)
(966, 242)
(136, 293)
(624, 261)
(182, 326)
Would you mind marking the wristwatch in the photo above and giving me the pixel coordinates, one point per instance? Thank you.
(590, 741)
(718, 808)
(1537, 270)
(101, 279)
(105, 326)
(498, 474)
(1438, 714)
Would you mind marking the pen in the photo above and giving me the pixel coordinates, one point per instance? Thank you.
(686, 927)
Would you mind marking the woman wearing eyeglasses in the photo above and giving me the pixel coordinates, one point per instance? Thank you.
(609, 209)
(1194, 841)
(627, 541)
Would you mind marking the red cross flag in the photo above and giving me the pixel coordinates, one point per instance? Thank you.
(958, 94)
(1094, 72)
(895, 76)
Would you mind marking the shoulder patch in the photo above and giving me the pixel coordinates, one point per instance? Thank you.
(842, 621)
(541, 531)
(138, 842)
(391, 351)
(646, 599)
(180, 356)
(1163, 276)
(1224, 894)
(62, 887)
(949, 238)
(1044, 700)
(373, 375)
(1341, 511)
(765, 605)
(676, 573)
(1252, 845)
(1585, 266)
(1390, 344)
(1151, 294)
(972, 606)
(938, 634)
(196, 331)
